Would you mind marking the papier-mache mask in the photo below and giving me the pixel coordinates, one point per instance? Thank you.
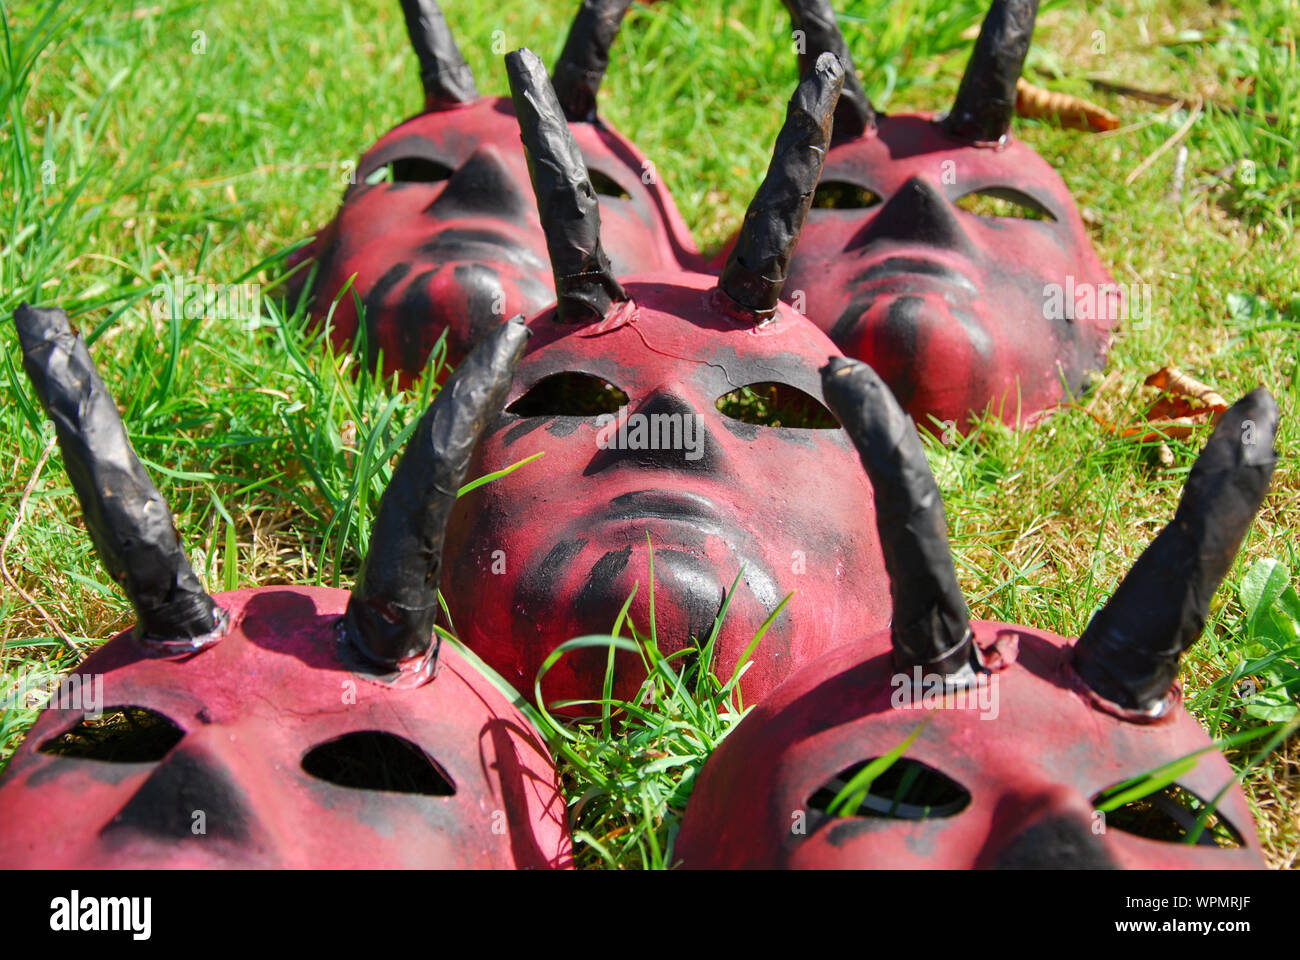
(1012, 747)
(625, 387)
(1004, 306)
(279, 726)
(439, 232)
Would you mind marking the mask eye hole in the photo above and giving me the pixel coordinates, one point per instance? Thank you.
(569, 395)
(607, 186)
(1004, 202)
(1169, 815)
(375, 760)
(906, 790)
(771, 404)
(411, 170)
(841, 195)
(119, 735)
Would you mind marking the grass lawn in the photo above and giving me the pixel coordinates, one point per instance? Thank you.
(147, 141)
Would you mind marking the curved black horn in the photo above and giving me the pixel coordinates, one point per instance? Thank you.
(127, 518)
(582, 65)
(756, 270)
(446, 77)
(1129, 653)
(585, 286)
(393, 607)
(986, 99)
(931, 624)
(821, 34)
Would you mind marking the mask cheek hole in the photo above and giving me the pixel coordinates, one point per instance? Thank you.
(1004, 203)
(1169, 815)
(377, 760)
(410, 170)
(906, 790)
(119, 735)
(772, 404)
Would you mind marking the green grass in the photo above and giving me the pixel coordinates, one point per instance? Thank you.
(129, 159)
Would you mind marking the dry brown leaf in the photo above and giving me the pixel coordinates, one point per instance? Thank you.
(1186, 406)
(1072, 112)
(1178, 384)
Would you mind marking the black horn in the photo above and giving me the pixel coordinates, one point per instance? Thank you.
(756, 270)
(585, 286)
(446, 77)
(931, 624)
(1129, 653)
(393, 607)
(821, 34)
(581, 68)
(986, 99)
(127, 518)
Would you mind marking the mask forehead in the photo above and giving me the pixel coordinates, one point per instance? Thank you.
(673, 335)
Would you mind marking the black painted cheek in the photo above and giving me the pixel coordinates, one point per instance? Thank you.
(484, 298)
(375, 303)
(415, 323)
(540, 584)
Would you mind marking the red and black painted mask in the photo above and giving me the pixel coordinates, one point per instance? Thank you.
(1012, 738)
(554, 549)
(440, 230)
(1004, 306)
(278, 726)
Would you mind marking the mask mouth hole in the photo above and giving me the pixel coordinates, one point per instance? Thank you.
(119, 735)
(906, 790)
(377, 760)
(1169, 816)
(842, 195)
(1004, 203)
(410, 170)
(569, 394)
(607, 186)
(770, 404)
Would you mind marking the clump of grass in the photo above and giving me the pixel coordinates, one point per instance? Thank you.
(629, 768)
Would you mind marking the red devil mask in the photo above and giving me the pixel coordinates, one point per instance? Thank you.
(280, 726)
(957, 310)
(440, 231)
(1010, 734)
(554, 549)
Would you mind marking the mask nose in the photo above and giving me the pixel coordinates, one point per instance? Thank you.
(916, 213)
(1051, 827)
(192, 793)
(663, 433)
(484, 185)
